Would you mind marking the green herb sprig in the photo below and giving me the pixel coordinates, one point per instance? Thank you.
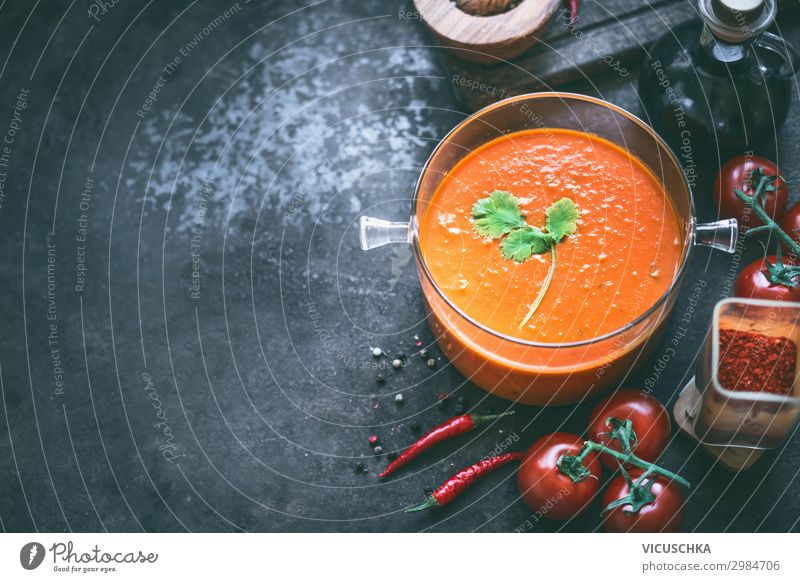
(499, 216)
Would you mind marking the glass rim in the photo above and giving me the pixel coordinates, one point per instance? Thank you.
(743, 394)
(564, 97)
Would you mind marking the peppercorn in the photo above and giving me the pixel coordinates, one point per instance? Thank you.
(397, 363)
(414, 426)
(360, 467)
(391, 456)
(423, 353)
(377, 449)
(461, 405)
(380, 378)
(431, 363)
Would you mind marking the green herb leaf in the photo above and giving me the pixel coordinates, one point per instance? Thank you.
(521, 243)
(497, 215)
(562, 219)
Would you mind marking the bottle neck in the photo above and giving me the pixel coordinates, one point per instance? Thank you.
(737, 21)
(715, 52)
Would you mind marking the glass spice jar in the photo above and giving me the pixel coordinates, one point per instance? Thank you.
(748, 375)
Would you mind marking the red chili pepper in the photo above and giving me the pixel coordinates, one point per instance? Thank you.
(452, 428)
(453, 487)
(574, 5)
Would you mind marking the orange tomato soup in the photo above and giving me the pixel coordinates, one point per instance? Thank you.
(621, 260)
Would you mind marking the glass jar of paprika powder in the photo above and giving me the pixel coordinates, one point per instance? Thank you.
(748, 374)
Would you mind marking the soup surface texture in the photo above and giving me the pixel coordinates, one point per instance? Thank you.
(621, 260)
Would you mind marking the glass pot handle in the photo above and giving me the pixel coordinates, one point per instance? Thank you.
(790, 61)
(374, 232)
(722, 234)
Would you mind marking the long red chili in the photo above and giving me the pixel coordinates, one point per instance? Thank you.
(453, 487)
(452, 428)
(574, 5)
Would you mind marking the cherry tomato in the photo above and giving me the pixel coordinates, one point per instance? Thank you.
(650, 423)
(791, 225)
(734, 175)
(549, 491)
(664, 514)
(752, 283)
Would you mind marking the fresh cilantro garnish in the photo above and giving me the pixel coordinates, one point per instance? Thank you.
(562, 219)
(523, 242)
(499, 215)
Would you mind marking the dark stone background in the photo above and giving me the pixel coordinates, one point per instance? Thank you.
(300, 118)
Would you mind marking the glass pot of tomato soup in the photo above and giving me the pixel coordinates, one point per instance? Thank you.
(608, 285)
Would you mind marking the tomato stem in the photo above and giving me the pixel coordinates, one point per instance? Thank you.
(631, 459)
(572, 465)
(769, 223)
(544, 288)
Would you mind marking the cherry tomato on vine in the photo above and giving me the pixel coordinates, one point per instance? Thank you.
(663, 514)
(545, 489)
(754, 283)
(650, 420)
(791, 225)
(735, 175)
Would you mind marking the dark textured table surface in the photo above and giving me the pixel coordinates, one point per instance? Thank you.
(186, 315)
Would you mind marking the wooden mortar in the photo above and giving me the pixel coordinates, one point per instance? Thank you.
(486, 39)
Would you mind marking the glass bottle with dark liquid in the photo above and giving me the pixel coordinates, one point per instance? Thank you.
(722, 84)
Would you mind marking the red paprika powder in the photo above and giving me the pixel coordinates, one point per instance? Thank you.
(753, 362)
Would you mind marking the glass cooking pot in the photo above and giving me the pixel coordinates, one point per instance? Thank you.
(534, 372)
